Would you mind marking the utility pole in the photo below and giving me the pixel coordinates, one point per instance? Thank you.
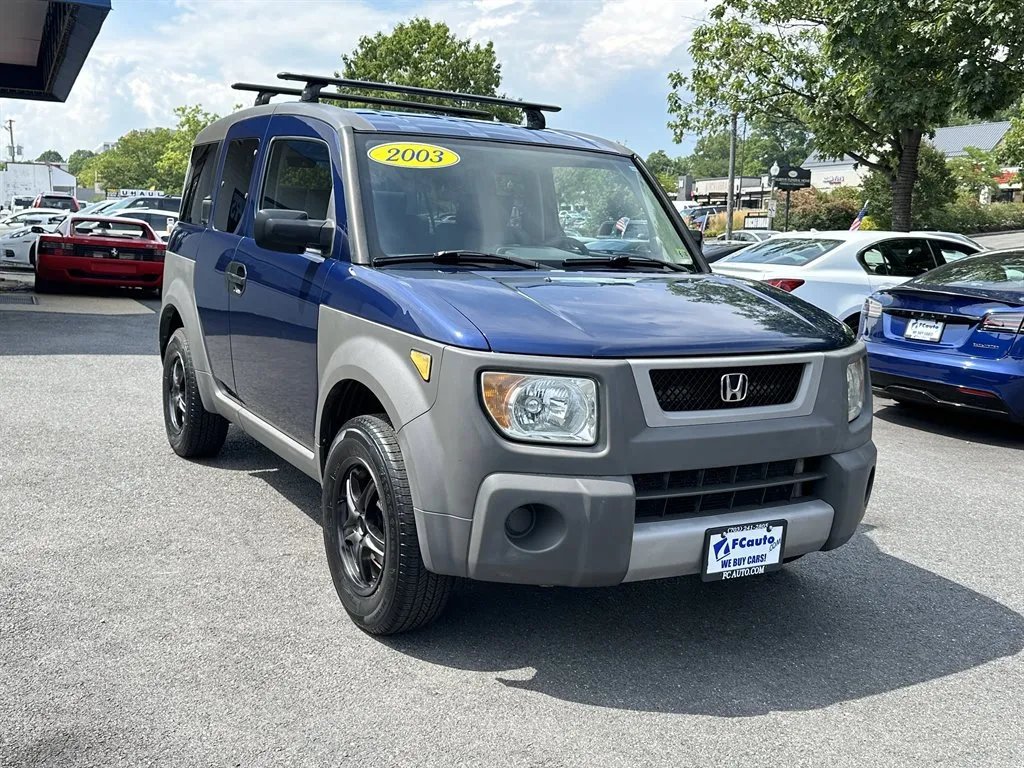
(730, 200)
(9, 125)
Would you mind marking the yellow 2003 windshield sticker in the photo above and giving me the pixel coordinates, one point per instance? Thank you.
(405, 154)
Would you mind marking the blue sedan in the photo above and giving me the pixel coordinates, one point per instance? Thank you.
(953, 336)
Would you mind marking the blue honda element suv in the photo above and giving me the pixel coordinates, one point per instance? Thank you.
(388, 300)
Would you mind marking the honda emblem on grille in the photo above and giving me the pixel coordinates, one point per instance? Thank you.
(734, 387)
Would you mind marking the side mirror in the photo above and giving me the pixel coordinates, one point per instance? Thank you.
(698, 236)
(207, 207)
(292, 231)
(37, 230)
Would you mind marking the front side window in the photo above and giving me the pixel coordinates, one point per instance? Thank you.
(298, 178)
(790, 251)
(533, 202)
(199, 184)
(234, 185)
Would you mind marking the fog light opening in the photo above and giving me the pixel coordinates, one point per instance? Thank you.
(520, 522)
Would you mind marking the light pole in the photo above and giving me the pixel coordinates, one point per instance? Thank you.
(773, 172)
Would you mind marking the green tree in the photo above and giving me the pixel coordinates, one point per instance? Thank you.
(421, 53)
(173, 162)
(933, 190)
(1011, 148)
(50, 156)
(658, 162)
(132, 163)
(76, 160)
(867, 78)
(975, 172)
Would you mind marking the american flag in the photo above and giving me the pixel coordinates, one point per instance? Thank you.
(621, 224)
(860, 217)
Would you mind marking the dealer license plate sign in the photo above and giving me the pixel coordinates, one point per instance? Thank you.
(924, 330)
(736, 551)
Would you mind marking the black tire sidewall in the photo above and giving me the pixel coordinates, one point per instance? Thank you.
(356, 442)
(178, 345)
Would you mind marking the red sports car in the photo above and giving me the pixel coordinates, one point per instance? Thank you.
(99, 250)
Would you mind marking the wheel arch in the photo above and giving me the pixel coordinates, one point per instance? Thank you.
(366, 368)
(170, 321)
(347, 398)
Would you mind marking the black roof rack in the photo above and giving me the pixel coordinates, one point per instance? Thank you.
(265, 92)
(314, 84)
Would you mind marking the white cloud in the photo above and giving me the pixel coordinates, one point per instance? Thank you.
(567, 52)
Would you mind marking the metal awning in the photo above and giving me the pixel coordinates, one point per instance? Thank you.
(44, 43)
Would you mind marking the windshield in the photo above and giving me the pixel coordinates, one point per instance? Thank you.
(537, 203)
(795, 252)
(56, 201)
(997, 271)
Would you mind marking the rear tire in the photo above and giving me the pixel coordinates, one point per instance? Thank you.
(192, 431)
(370, 533)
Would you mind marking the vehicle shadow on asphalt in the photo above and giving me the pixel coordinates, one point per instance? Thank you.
(242, 453)
(833, 627)
(953, 424)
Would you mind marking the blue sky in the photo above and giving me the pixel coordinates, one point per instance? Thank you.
(604, 61)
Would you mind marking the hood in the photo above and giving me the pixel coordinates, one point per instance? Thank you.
(630, 315)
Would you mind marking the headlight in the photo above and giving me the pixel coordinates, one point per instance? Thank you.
(542, 409)
(855, 389)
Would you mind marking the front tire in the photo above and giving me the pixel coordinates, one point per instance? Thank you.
(192, 431)
(370, 533)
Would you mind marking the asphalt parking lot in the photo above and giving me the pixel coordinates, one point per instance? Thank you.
(155, 611)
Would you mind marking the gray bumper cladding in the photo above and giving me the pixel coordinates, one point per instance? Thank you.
(581, 531)
(573, 529)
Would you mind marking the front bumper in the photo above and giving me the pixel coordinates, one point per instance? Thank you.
(589, 530)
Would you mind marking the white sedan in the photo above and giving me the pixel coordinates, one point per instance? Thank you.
(838, 270)
(17, 246)
(29, 217)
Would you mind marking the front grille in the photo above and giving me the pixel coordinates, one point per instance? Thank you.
(693, 492)
(700, 389)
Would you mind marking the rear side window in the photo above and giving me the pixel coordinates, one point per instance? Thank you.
(947, 252)
(898, 258)
(199, 184)
(298, 177)
(234, 184)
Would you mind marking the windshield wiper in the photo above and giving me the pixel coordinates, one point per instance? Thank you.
(623, 260)
(458, 257)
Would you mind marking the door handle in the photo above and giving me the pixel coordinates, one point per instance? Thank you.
(235, 277)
